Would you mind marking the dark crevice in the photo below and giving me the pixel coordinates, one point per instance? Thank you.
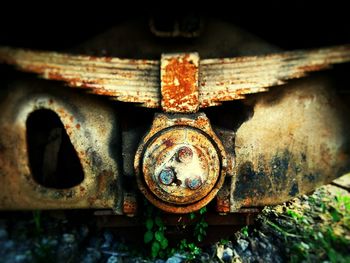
(53, 160)
(230, 116)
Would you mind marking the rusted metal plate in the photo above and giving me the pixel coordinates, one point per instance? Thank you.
(308, 119)
(180, 164)
(127, 80)
(179, 82)
(223, 205)
(296, 140)
(343, 182)
(233, 78)
(184, 85)
(91, 133)
(130, 204)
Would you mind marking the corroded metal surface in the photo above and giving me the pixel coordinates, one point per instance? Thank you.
(130, 206)
(90, 132)
(232, 78)
(343, 182)
(161, 159)
(296, 140)
(223, 204)
(185, 86)
(180, 164)
(126, 80)
(179, 82)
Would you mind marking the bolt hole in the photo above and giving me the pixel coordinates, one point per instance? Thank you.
(53, 160)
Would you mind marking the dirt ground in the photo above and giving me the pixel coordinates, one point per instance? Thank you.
(310, 228)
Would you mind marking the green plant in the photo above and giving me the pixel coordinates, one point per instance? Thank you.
(244, 231)
(154, 235)
(313, 229)
(43, 252)
(200, 228)
(37, 221)
(224, 241)
(191, 249)
(158, 242)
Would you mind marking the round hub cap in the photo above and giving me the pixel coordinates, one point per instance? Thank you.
(181, 165)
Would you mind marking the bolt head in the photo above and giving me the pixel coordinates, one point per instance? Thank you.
(194, 182)
(166, 176)
(185, 154)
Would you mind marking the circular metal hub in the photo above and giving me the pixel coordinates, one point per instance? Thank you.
(181, 165)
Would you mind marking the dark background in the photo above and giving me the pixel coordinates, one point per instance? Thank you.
(59, 25)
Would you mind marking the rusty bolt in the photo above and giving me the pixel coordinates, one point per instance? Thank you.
(166, 176)
(185, 154)
(194, 182)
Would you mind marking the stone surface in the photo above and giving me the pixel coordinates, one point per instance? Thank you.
(272, 239)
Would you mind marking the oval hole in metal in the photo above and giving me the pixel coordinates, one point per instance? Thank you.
(53, 160)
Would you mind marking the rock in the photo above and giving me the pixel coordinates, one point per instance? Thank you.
(68, 238)
(204, 257)
(108, 240)
(243, 244)
(95, 242)
(262, 245)
(21, 258)
(114, 259)
(92, 255)
(8, 245)
(247, 254)
(108, 236)
(67, 249)
(176, 258)
(84, 231)
(138, 260)
(105, 246)
(3, 233)
(50, 241)
(227, 254)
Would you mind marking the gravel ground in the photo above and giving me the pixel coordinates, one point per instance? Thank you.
(311, 228)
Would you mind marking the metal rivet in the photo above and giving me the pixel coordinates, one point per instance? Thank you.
(194, 182)
(185, 154)
(166, 176)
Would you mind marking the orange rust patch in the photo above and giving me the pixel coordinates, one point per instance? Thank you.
(129, 205)
(316, 67)
(82, 189)
(54, 76)
(103, 179)
(222, 205)
(180, 83)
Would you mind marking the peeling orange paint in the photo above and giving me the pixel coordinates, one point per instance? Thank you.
(179, 83)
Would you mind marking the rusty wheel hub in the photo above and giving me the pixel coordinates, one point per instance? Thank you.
(180, 164)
